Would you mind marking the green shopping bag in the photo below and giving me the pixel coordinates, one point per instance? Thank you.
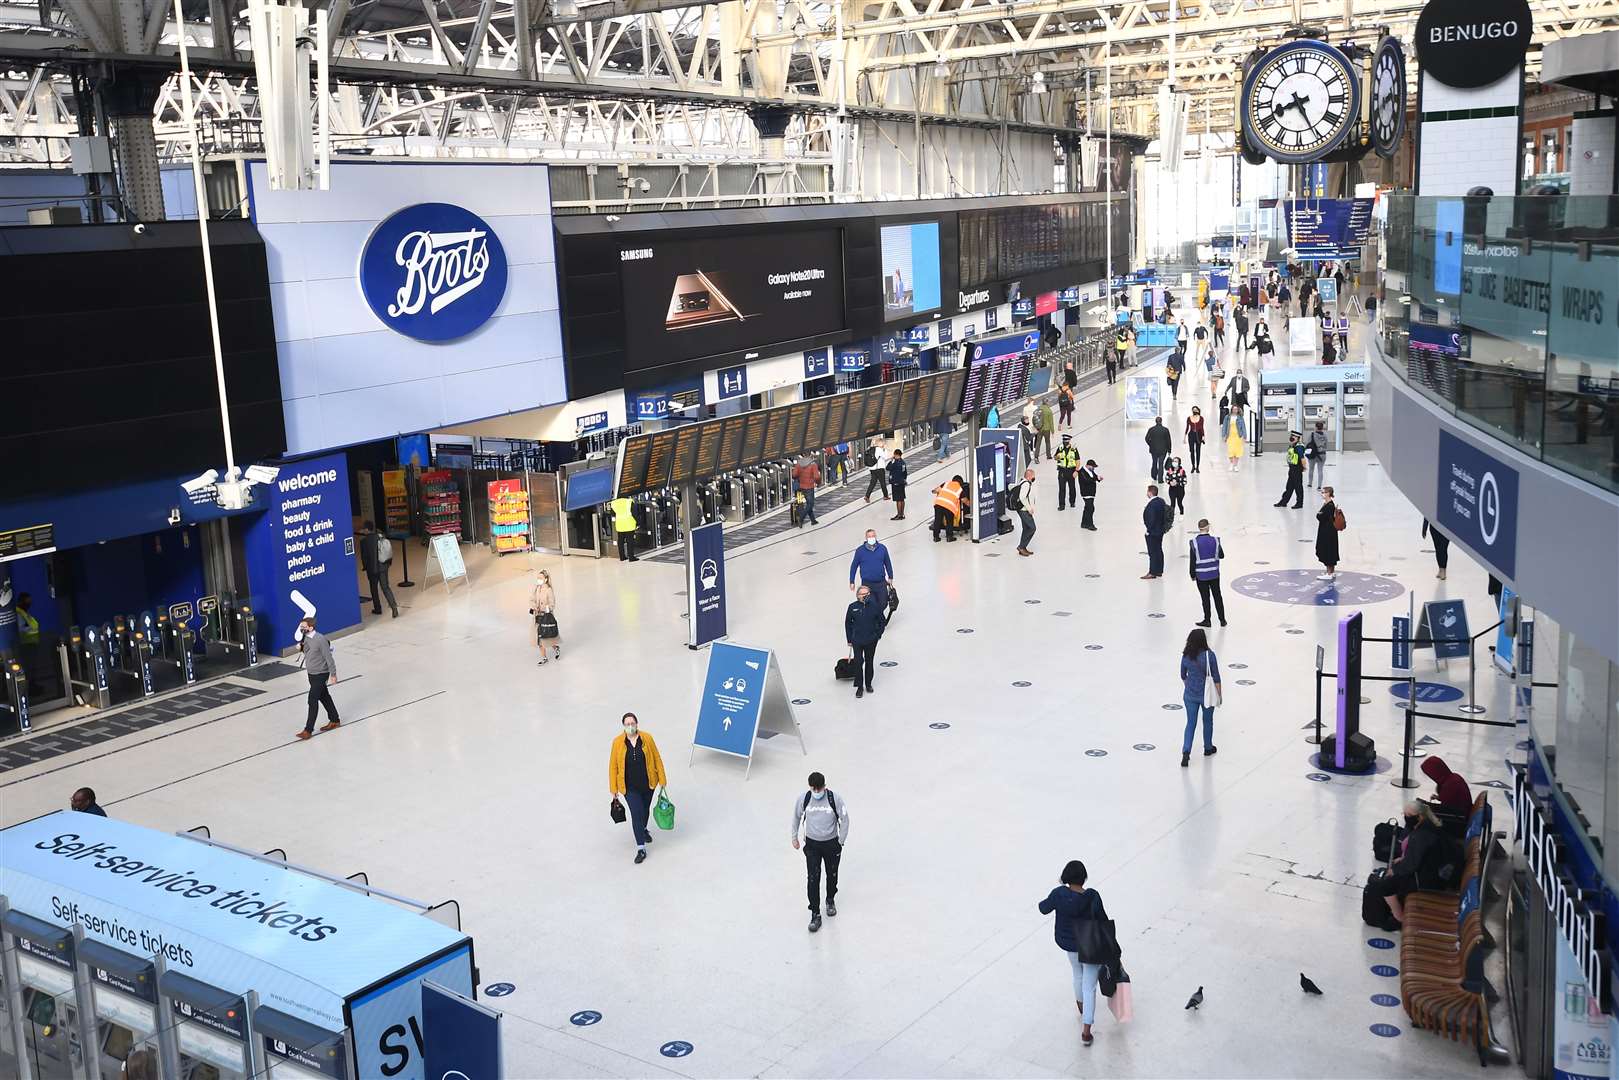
(664, 813)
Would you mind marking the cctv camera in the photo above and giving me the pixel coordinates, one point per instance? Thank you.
(644, 184)
(140, 228)
(198, 485)
(262, 474)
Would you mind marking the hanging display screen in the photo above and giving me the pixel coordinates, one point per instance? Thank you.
(815, 426)
(730, 451)
(708, 450)
(836, 409)
(685, 298)
(888, 408)
(797, 415)
(854, 422)
(910, 266)
(632, 473)
(753, 438)
(907, 402)
(659, 459)
(684, 455)
(775, 434)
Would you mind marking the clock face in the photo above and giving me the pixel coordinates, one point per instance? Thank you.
(1300, 101)
(1388, 97)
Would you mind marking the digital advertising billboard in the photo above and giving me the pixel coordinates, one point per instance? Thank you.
(910, 265)
(686, 298)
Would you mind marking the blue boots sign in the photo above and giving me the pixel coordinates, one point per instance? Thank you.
(1478, 502)
(433, 271)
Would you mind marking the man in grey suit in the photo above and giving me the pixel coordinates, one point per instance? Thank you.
(321, 667)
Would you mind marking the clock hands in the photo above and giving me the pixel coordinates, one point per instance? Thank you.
(1298, 103)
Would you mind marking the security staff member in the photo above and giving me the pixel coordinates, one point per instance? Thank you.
(28, 642)
(1205, 554)
(1067, 466)
(1121, 347)
(624, 528)
(947, 508)
(1295, 473)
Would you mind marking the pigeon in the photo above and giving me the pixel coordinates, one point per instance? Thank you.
(1306, 985)
(1196, 999)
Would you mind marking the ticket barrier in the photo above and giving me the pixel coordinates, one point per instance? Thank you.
(172, 653)
(88, 666)
(646, 524)
(237, 628)
(666, 523)
(14, 717)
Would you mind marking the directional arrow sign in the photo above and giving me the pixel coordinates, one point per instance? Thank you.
(726, 723)
(303, 604)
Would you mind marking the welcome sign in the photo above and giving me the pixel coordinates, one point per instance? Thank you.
(433, 271)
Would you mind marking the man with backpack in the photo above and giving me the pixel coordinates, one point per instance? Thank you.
(376, 555)
(824, 819)
(872, 459)
(1020, 500)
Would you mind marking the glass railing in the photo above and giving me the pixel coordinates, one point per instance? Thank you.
(1505, 311)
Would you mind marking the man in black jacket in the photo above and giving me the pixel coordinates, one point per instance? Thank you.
(376, 568)
(863, 626)
(1088, 479)
(1156, 520)
(1159, 444)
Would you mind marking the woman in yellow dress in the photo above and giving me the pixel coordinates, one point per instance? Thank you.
(1233, 446)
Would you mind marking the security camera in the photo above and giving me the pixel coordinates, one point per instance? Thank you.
(644, 184)
(174, 515)
(140, 228)
(197, 485)
(262, 474)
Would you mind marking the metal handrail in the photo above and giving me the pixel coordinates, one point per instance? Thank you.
(421, 906)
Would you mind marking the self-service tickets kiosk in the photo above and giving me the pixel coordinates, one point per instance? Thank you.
(98, 967)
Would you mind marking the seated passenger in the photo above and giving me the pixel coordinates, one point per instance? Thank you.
(1428, 861)
(1453, 792)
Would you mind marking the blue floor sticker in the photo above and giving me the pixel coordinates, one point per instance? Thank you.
(801, 701)
(939, 725)
(1144, 746)
(675, 1049)
(1172, 707)
(1302, 587)
(1093, 648)
(1386, 1000)
(1031, 601)
(1022, 682)
(585, 1018)
(1096, 753)
(1380, 943)
(1387, 1031)
(1245, 682)
(1430, 693)
(1318, 777)
(965, 630)
(1155, 614)
(1387, 971)
(1237, 667)
(498, 989)
(888, 663)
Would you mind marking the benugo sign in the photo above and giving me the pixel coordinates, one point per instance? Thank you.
(434, 272)
(1472, 43)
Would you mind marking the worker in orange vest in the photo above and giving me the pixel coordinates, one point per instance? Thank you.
(947, 508)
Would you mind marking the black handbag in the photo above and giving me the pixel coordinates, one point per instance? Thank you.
(1094, 941)
(616, 810)
(844, 668)
(547, 623)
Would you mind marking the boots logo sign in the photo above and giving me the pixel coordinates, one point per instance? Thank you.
(433, 271)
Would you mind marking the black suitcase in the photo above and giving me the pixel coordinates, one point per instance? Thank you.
(1003, 526)
(845, 668)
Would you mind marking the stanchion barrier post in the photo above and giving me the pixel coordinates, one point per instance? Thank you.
(1315, 739)
(1405, 780)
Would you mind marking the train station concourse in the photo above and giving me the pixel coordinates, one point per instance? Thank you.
(1133, 488)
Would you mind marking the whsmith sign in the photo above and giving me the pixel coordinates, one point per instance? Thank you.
(1573, 909)
(433, 271)
(1472, 43)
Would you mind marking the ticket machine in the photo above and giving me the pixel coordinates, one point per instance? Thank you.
(210, 1027)
(1321, 407)
(1279, 413)
(296, 1050)
(39, 961)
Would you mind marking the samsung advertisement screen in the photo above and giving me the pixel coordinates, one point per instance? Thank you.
(910, 269)
(686, 299)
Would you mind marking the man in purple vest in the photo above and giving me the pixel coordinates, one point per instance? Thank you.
(1205, 556)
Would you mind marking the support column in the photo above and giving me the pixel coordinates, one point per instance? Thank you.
(130, 96)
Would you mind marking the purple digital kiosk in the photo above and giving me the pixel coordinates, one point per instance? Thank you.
(1346, 750)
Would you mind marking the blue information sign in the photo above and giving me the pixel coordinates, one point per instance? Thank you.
(946, 331)
(986, 474)
(817, 362)
(462, 1037)
(705, 584)
(1402, 643)
(728, 716)
(1444, 626)
(433, 271)
(1012, 439)
(1478, 502)
(855, 356)
(733, 381)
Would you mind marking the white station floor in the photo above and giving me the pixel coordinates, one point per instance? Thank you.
(465, 771)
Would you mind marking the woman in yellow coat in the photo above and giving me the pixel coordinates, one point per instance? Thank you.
(634, 773)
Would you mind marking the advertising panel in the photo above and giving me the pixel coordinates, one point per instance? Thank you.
(303, 544)
(689, 298)
(910, 255)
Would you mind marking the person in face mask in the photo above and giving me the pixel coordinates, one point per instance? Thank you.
(863, 626)
(824, 819)
(872, 568)
(634, 773)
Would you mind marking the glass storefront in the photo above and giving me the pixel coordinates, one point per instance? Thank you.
(1506, 312)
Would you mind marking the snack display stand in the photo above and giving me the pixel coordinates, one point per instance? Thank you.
(509, 528)
(441, 503)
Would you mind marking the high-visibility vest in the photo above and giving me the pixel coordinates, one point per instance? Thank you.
(1067, 457)
(27, 628)
(1206, 549)
(949, 497)
(623, 515)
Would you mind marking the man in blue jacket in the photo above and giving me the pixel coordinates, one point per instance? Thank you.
(872, 567)
(863, 625)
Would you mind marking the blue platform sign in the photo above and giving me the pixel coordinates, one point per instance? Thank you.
(986, 482)
(461, 1037)
(733, 382)
(1478, 502)
(589, 423)
(433, 271)
(856, 356)
(651, 406)
(817, 363)
(992, 318)
(705, 584)
(1010, 345)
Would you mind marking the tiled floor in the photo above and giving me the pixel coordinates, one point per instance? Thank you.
(465, 771)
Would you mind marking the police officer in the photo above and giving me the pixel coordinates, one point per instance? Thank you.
(1295, 473)
(1067, 466)
(1205, 554)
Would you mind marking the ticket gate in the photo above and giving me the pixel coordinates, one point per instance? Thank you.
(173, 652)
(88, 667)
(14, 717)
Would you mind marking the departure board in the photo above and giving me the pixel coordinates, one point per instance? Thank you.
(888, 409)
(659, 458)
(940, 401)
(730, 452)
(953, 390)
(775, 434)
(907, 402)
(753, 439)
(1014, 377)
(684, 456)
(632, 473)
(836, 409)
(854, 422)
(797, 414)
(815, 426)
(708, 450)
(975, 391)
